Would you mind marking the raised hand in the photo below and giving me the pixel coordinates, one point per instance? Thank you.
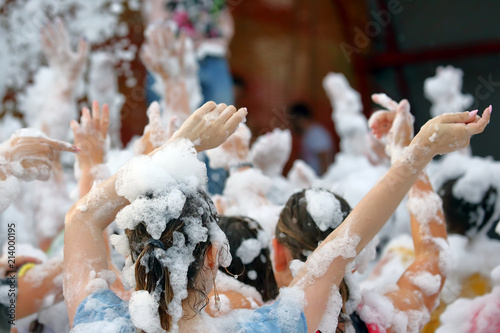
(163, 53)
(154, 133)
(451, 131)
(66, 63)
(90, 135)
(210, 125)
(29, 154)
(381, 121)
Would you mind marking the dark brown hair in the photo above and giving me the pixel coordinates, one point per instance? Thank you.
(298, 232)
(238, 229)
(467, 218)
(150, 272)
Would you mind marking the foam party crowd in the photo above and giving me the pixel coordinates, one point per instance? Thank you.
(195, 225)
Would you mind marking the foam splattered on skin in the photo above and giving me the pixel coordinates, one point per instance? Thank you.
(329, 321)
(379, 309)
(428, 283)
(344, 245)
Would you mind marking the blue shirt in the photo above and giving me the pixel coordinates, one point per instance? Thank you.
(105, 312)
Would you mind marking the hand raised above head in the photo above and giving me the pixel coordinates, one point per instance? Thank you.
(56, 46)
(451, 131)
(90, 135)
(210, 125)
(381, 121)
(163, 52)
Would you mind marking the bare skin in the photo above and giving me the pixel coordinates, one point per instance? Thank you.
(208, 127)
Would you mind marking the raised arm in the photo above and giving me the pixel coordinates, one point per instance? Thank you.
(421, 283)
(325, 268)
(85, 258)
(67, 65)
(163, 54)
(90, 135)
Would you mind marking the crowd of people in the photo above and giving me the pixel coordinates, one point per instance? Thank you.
(383, 238)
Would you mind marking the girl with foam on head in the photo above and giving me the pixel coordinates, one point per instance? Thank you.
(175, 246)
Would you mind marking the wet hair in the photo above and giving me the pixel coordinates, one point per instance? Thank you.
(238, 229)
(297, 231)
(466, 218)
(150, 273)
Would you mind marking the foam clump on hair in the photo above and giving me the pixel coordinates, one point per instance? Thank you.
(324, 209)
(251, 248)
(175, 163)
(153, 212)
(156, 186)
(143, 309)
(121, 244)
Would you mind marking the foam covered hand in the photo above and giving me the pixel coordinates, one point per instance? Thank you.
(66, 63)
(451, 131)
(210, 125)
(163, 53)
(381, 121)
(90, 135)
(29, 154)
(154, 133)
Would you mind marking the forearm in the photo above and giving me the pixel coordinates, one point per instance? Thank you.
(85, 182)
(176, 97)
(427, 218)
(373, 211)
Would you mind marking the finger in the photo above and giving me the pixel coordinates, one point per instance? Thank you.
(206, 108)
(96, 115)
(227, 113)
(385, 101)
(219, 108)
(63, 33)
(458, 117)
(104, 125)
(46, 42)
(480, 125)
(75, 127)
(404, 106)
(167, 37)
(233, 122)
(82, 49)
(86, 120)
(51, 34)
(157, 40)
(472, 116)
(145, 56)
(21, 260)
(60, 145)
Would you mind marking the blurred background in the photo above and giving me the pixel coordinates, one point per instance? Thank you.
(282, 50)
